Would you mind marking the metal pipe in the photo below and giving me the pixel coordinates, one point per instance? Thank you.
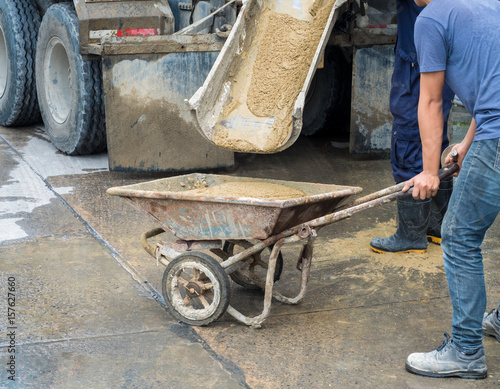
(345, 213)
(150, 249)
(388, 191)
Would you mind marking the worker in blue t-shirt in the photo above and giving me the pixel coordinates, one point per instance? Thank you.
(418, 220)
(458, 42)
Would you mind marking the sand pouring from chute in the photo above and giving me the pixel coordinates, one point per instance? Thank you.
(254, 96)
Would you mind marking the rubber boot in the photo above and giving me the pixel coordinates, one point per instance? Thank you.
(413, 221)
(439, 205)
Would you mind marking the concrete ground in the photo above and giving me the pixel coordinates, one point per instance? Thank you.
(88, 311)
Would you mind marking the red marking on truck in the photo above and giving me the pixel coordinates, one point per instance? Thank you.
(138, 32)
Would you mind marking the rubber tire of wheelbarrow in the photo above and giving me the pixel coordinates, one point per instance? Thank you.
(240, 278)
(217, 271)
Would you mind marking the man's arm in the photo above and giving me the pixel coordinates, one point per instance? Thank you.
(430, 122)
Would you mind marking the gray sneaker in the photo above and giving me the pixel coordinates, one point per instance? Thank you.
(491, 324)
(447, 361)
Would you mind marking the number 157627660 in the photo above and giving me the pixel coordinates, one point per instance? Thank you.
(11, 301)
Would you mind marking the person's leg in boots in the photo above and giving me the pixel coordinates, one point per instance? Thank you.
(419, 221)
(439, 205)
(414, 216)
(411, 234)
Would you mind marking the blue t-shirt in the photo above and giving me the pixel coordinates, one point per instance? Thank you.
(462, 37)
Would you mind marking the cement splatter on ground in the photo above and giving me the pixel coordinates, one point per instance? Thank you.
(430, 262)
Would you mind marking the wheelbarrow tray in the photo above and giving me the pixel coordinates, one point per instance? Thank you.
(194, 216)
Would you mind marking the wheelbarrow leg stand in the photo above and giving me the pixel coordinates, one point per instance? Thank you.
(305, 260)
(304, 265)
(256, 321)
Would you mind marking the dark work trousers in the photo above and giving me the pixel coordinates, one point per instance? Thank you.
(406, 147)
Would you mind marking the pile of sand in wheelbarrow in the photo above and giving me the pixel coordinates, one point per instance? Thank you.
(250, 189)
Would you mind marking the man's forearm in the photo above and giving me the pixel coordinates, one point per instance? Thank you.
(430, 119)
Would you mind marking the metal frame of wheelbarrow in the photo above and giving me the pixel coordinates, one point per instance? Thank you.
(179, 251)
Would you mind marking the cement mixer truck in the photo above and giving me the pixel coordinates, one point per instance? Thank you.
(144, 78)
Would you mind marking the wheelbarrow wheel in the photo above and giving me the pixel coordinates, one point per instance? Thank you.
(254, 264)
(196, 289)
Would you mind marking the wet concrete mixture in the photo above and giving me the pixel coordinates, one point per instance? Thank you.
(249, 189)
(271, 75)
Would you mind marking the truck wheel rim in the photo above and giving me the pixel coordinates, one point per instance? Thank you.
(4, 63)
(58, 80)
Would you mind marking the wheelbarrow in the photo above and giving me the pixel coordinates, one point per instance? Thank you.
(220, 238)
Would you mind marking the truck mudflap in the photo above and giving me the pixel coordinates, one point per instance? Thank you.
(254, 96)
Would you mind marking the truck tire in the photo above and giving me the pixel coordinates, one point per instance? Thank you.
(69, 87)
(328, 101)
(19, 24)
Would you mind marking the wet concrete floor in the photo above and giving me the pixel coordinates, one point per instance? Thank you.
(89, 312)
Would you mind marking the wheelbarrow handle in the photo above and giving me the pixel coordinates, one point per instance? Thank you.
(443, 174)
(374, 200)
